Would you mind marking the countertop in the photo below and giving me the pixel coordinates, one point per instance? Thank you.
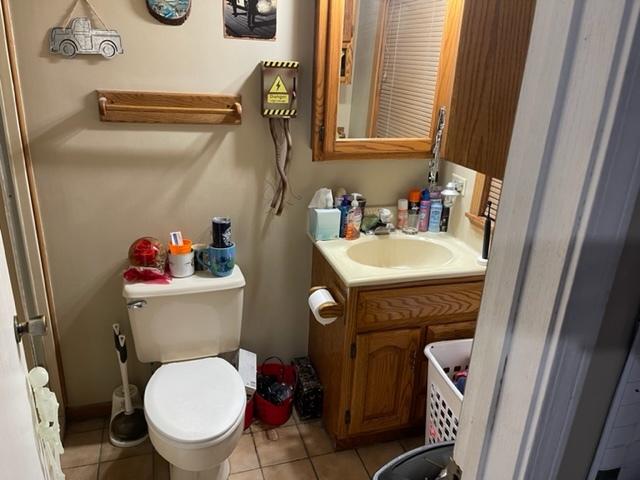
(463, 261)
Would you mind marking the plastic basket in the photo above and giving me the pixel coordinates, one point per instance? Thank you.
(444, 401)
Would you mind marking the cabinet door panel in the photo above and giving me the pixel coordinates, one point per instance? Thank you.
(435, 333)
(383, 380)
(490, 65)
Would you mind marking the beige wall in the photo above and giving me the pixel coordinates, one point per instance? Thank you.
(103, 185)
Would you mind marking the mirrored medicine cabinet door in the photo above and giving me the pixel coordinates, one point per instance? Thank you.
(381, 69)
(385, 69)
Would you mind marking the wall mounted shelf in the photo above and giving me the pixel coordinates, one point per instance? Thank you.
(166, 107)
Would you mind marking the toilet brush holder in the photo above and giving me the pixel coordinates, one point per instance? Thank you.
(117, 399)
(120, 434)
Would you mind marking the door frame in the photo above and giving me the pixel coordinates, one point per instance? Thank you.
(26, 249)
(565, 244)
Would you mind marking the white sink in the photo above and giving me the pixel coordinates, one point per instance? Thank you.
(400, 253)
(397, 258)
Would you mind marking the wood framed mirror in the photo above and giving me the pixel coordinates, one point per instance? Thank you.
(385, 68)
(381, 69)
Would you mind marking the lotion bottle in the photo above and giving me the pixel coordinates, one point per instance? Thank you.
(354, 220)
(403, 213)
(425, 210)
(435, 215)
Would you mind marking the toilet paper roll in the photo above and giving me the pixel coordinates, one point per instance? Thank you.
(319, 299)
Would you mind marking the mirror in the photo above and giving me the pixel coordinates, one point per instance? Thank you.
(389, 68)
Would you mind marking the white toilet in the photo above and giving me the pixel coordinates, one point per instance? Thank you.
(194, 403)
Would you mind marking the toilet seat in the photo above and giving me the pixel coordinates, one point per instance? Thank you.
(195, 402)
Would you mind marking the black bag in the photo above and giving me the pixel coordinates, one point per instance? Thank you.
(307, 396)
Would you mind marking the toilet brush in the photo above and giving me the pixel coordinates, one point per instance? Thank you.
(127, 427)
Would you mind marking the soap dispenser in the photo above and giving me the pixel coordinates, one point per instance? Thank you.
(354, 219)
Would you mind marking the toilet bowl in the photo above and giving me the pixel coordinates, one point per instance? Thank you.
(195, 402)
(195, 412)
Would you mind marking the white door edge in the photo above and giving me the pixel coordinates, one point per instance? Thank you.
(571, 183)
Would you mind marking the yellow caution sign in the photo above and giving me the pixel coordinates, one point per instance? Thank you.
(278, 92)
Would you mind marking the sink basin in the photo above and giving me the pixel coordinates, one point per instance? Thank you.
(400, 253)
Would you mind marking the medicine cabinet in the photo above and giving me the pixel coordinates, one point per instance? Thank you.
(386, 69)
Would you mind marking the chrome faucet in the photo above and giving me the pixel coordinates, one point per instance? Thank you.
(385, 226)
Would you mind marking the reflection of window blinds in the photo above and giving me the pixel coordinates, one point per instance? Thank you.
(409, 68)
(493, 196)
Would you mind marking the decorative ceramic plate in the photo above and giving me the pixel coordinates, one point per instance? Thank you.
(171, 12)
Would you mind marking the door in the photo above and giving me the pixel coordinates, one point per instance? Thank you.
(385, 364)
(20, 453)
(19, 213)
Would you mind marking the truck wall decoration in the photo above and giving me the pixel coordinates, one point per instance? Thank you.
(77, 36)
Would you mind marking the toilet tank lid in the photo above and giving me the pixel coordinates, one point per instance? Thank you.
(199, 283)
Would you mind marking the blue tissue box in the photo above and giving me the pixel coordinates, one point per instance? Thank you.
(324, 223)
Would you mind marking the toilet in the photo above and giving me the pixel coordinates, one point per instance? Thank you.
(194, 402)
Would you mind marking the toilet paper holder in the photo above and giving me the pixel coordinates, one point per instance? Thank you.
(329, 309)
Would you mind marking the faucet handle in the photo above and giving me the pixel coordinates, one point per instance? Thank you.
(385, 215)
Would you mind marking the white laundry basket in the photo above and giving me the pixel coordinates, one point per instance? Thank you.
(444, 400)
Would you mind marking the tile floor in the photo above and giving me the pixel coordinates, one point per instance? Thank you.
(302, 451)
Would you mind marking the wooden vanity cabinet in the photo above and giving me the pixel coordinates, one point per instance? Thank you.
(371, 360)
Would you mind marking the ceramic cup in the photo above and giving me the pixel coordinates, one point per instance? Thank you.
(181, 265)
(197, 247)
(219, 261)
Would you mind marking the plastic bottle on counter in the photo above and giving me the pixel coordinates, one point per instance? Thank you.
(435, 215)
(403, 205)
(344, 211)
(354, 220)
(425, 210)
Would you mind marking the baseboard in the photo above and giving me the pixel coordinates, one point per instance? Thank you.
(86, 412)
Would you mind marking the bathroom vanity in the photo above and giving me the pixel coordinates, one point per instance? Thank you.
(399, 293)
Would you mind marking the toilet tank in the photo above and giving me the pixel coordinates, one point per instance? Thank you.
(194, 317)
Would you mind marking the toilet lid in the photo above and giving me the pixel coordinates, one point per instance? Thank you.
(196, 400)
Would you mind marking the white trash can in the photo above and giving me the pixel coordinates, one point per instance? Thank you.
(444, 400)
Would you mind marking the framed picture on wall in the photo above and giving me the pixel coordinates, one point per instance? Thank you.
(253, 19)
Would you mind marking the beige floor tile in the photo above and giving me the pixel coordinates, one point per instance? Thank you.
(88, 472)
(86, 425)
(160, 467)
(250, 475)
(375, 456)
(133, 468)
(315, 438)
(244, 456)
(287, 448)
(410, 443)
(340, 466)
(109, 452)
(258, 426)
(81, 449)
(298, 420)
(299, 470)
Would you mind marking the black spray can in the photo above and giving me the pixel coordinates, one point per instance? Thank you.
(221, 232)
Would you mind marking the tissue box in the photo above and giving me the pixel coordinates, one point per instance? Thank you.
(324, 223)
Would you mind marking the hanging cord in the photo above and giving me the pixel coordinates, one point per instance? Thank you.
(93, 12)
(281, 133)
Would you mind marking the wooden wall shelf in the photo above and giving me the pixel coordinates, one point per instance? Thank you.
(165, 107)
